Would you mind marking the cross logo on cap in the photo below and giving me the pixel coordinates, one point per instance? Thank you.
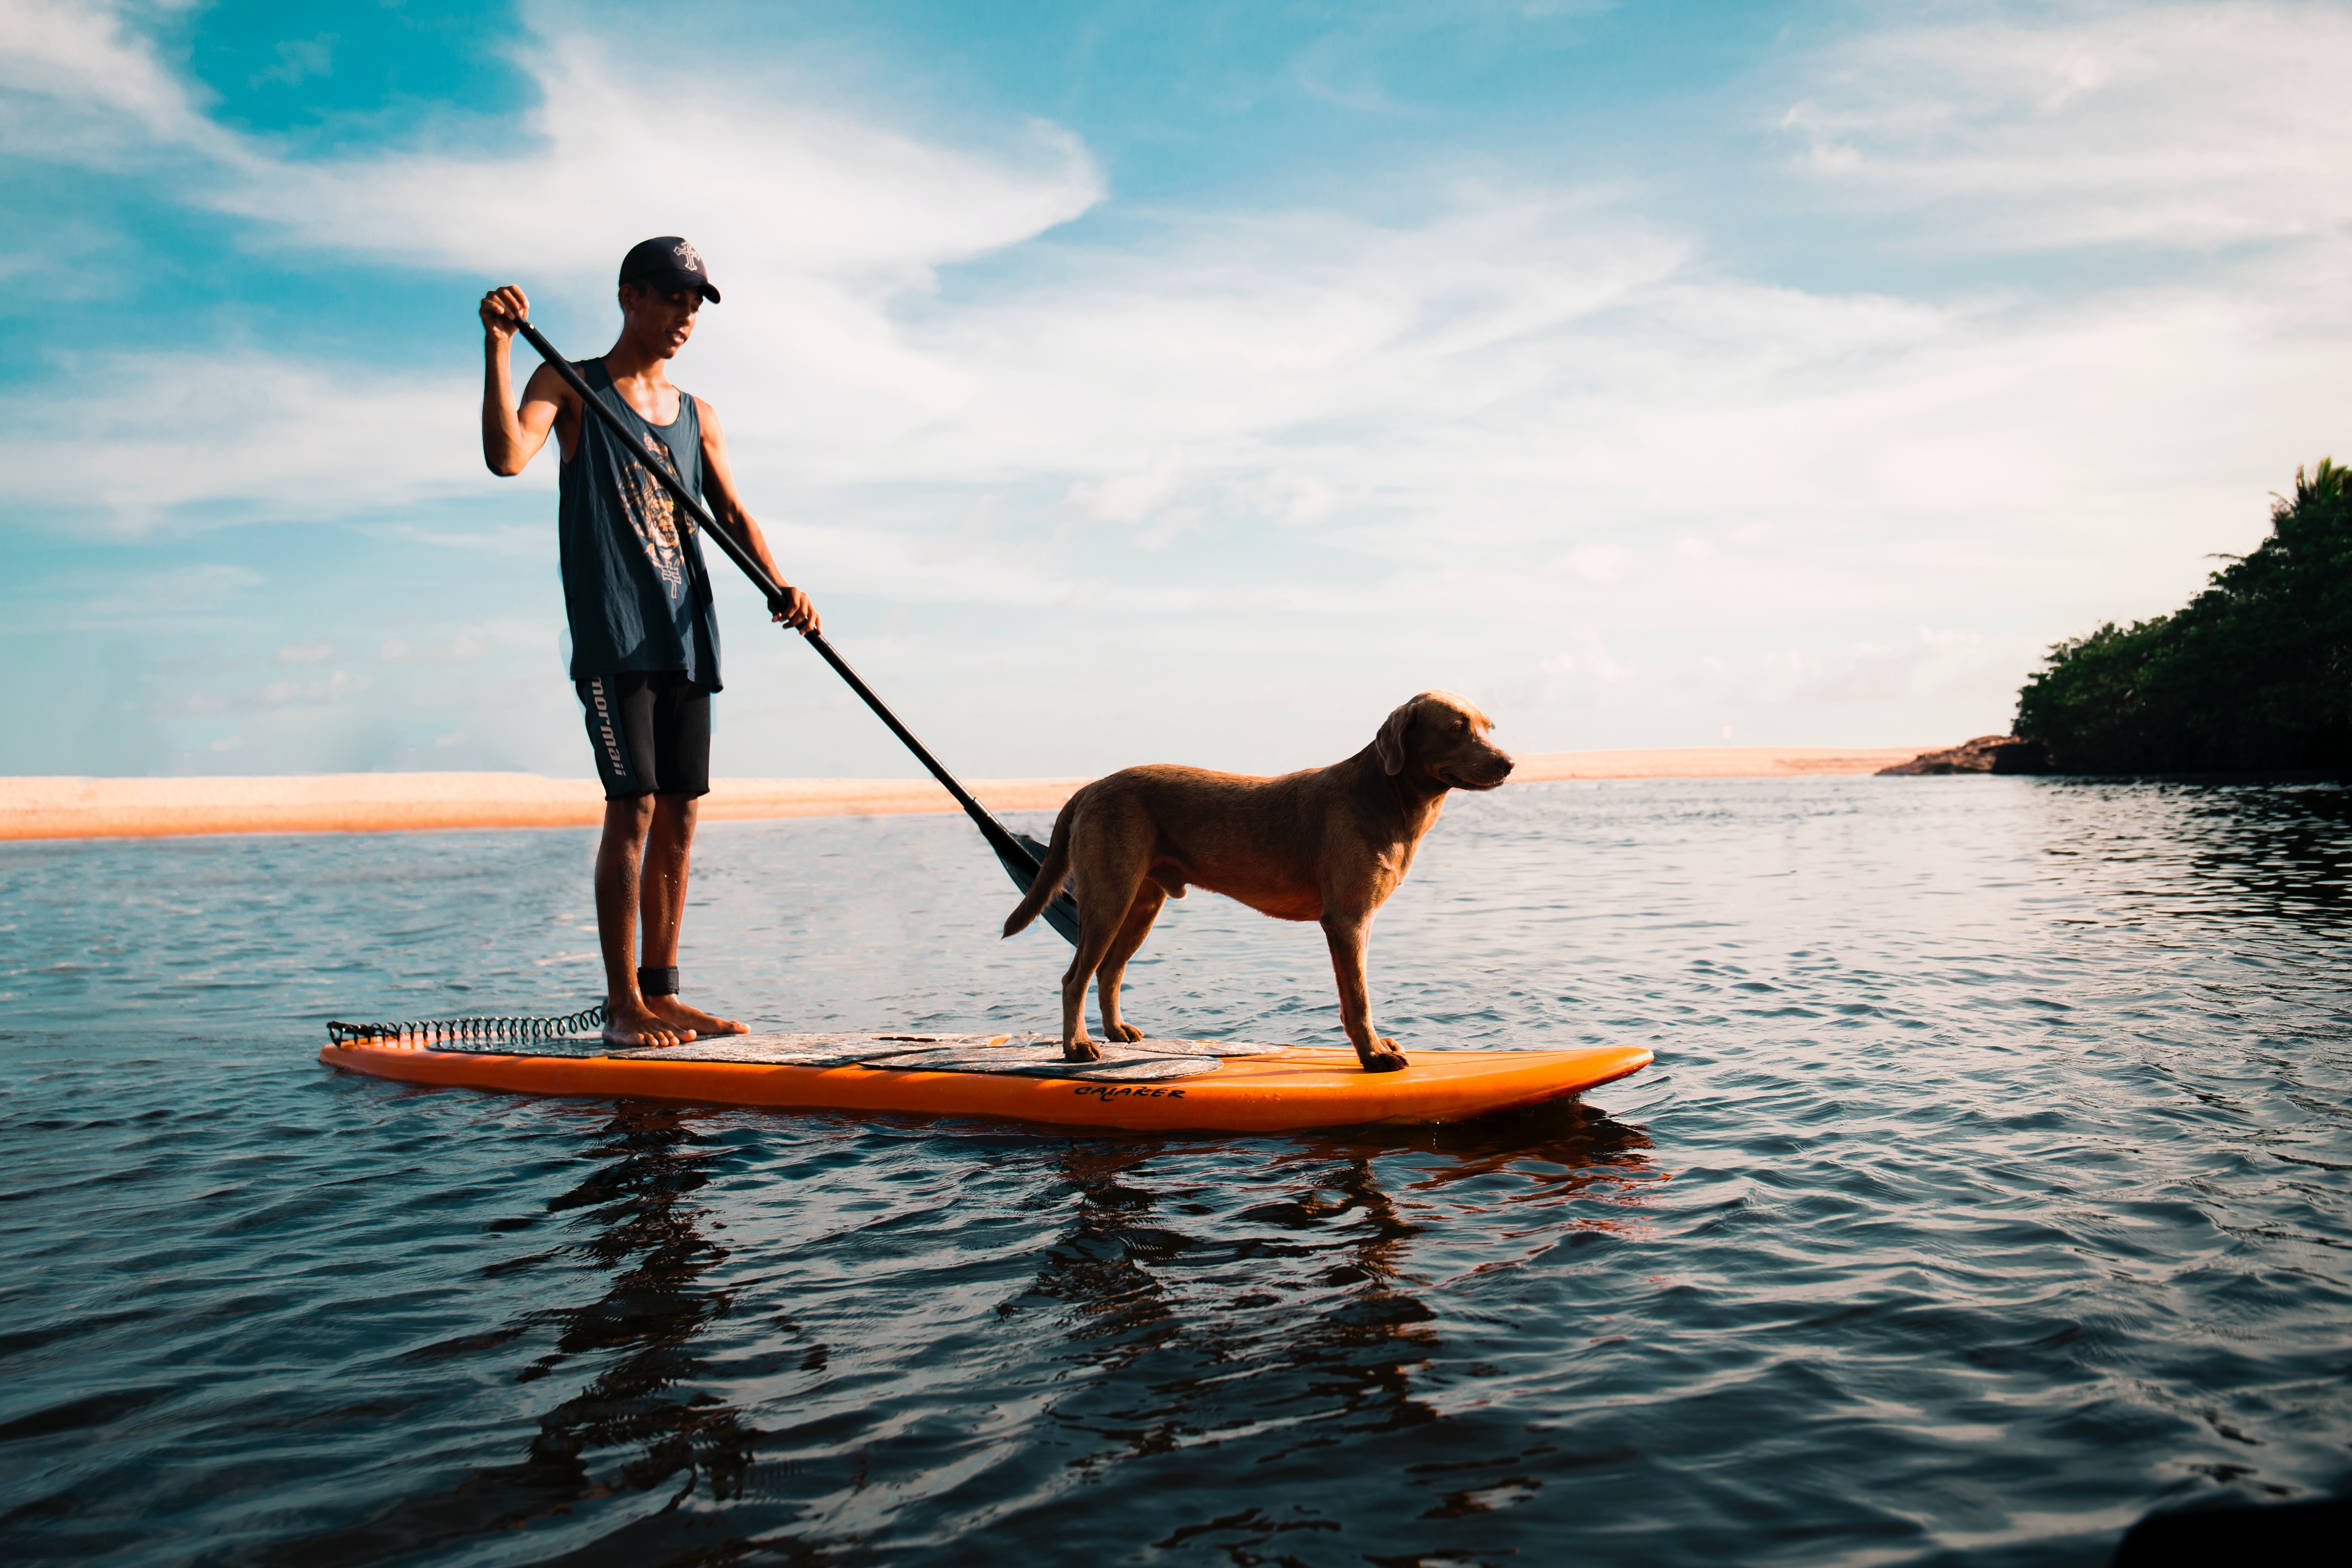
(668, 263)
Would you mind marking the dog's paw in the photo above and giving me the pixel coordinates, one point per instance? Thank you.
(1125, 1034)
(1081, 1051)
(1388, 1059)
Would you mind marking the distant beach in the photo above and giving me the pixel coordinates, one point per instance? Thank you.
(70, 807)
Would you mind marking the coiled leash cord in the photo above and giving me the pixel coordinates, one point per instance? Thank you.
(342, 1034)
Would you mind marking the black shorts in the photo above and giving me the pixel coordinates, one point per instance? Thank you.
(650, 730)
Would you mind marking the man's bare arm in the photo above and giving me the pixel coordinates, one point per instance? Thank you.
(726, 506)
(511, 433)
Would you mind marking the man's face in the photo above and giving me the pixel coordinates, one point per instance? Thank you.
(663, 322)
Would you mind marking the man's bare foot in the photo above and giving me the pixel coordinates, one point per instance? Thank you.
(1081, 1050)
(1387, 1058)
(693, 1022)
(633, 1027)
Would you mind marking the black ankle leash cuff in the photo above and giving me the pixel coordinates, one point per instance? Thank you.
(657, 982)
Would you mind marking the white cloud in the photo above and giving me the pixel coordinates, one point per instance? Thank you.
(174, 599)
(136, 436)
(78, 82)
(1532, 405)
(1552, 437)
(300, 59)
(774, 192)
(1530, 398)
(1129, 497)
(466, 647)
(334, 690)
(1587, 668)
(818, 225)
(1931, 674)
(2196, 126)
(781, 189)
(235, 697)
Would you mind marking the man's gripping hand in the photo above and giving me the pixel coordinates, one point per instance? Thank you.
(794, 608)
(503, 309)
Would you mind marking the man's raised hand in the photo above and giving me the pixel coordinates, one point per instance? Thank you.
(511, 435)
(503, 309)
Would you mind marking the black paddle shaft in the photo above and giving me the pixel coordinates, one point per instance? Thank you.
(1021, 856)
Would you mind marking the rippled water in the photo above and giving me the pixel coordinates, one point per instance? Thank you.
(1989, 1191)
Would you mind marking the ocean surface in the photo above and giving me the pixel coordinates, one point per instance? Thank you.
(1992, 1187)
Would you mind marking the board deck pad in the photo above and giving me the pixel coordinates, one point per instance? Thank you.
(1032, 1056)
(1120, 1064)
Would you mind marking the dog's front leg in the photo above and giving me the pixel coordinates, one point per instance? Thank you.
(1349, 936)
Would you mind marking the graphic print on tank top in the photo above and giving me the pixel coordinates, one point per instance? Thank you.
(635, 587)
(655, 511)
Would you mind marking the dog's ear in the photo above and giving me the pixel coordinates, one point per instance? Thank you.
(1389, 744)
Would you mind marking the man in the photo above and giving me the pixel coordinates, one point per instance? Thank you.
(644, 644)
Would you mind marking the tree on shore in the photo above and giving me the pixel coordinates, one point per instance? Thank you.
(2252, 675)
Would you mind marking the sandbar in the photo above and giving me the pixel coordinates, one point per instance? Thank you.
(66, 807)
(1710, 763)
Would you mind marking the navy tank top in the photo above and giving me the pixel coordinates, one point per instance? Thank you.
(635, 587)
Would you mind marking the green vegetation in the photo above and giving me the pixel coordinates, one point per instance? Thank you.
(2253, 675)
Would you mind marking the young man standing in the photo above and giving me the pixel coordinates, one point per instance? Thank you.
(644, 644)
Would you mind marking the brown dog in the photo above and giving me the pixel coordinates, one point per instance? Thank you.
(1328, 845)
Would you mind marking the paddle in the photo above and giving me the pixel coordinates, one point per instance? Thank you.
(1020, 855)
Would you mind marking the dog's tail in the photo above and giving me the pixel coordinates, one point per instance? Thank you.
(1050, 876)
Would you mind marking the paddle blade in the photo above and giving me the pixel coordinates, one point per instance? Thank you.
(1022, 859)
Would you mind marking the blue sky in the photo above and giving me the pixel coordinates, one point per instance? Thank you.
(1154, 382)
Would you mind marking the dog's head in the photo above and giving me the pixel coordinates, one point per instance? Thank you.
(1444, 737)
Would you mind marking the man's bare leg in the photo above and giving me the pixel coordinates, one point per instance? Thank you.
(619, 859)
(661, 901)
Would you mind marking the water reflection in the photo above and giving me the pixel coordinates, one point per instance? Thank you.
(2279, 853)
(1198, 1293)
(650, 1236)
(649, 1233)
(2287, 849)
(1268, 1294)
(1561, 1150)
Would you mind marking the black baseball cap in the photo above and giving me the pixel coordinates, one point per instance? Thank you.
(668, 265)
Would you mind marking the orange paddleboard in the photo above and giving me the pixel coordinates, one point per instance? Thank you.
(1151, 1084)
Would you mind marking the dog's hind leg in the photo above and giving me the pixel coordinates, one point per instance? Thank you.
(1094, 941)
(1111, 848)
(1131, 932)
(1348, 935)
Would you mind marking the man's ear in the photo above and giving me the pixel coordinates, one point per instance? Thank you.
(1389, 744)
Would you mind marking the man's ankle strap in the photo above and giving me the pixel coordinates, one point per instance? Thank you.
(657, 982)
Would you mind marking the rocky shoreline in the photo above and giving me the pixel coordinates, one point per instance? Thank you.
(1985, 754)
